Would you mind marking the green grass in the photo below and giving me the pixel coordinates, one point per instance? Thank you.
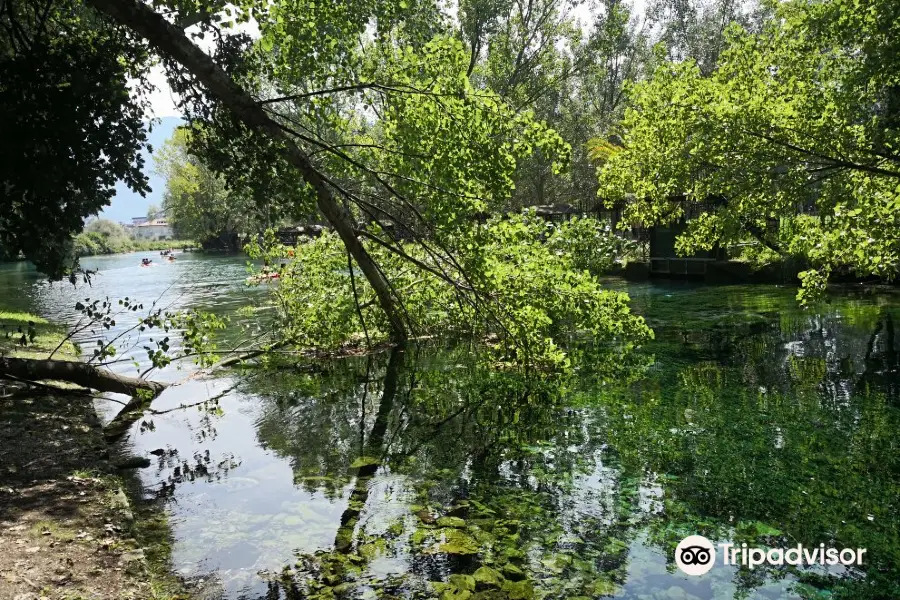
(54, 529)
(86, 473)
(40, 336)
(96, 245)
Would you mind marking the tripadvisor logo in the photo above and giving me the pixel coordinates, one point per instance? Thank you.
(696, 555)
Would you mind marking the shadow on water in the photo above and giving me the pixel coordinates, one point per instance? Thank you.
(431, 473)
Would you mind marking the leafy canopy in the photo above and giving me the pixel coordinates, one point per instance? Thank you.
(795, 133)
(525, 291)
(198, 203)
(70, 127)
(420, 155)
(378, 100)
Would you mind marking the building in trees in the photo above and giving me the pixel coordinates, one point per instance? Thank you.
(157, 229)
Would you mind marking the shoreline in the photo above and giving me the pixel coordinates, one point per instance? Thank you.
(149, 246)
(75, 524)
(179, 248)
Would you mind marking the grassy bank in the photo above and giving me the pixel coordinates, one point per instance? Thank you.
(73, 525)
(25, 335)
(95, 244)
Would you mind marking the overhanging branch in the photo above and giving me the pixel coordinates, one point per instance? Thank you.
(170, 41)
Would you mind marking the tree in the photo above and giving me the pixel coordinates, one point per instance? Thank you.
(695, 29)
(153, 211)
(102, 236)
(91, 372)
(794, 137)
(70, 133)
(197, 202)
(106, 228)
(570, 74)
(534, 291)
(424, 151)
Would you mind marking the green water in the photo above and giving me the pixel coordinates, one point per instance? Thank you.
(405, 474)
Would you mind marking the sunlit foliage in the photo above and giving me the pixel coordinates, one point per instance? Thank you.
(526, 288)
(794, 135)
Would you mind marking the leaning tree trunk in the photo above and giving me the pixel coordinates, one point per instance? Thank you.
(79, 373)
(372, 448)
(171, 41)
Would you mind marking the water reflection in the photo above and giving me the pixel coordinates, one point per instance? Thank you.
(757, 423)
(433, 474)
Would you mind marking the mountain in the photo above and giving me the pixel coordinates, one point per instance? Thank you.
(126, 204)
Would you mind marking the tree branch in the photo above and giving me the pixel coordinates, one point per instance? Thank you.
(171, 41)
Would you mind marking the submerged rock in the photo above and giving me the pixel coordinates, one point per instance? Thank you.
(461, 509)
(344, 589)
(490, 595)
(425, 516)
(451, 522)
(518, 590)
(511, 571)
(462, 582)
(604, 587)
(456, 542)
(486, 577)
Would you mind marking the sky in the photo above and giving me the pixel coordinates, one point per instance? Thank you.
(163, 99)
(165, 117)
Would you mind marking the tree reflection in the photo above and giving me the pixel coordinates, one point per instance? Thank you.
(769, 426)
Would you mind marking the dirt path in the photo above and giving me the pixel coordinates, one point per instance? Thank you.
(67, 531)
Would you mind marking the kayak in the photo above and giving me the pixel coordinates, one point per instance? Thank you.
(263, 277)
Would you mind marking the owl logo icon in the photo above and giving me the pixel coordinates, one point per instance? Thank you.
(695, 555)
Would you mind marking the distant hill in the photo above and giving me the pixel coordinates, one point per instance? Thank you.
(127, 204)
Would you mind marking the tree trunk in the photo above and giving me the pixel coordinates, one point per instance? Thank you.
(79, 373)
(171, 41)
(373, 448)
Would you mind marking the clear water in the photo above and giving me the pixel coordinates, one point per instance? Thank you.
(746, 419)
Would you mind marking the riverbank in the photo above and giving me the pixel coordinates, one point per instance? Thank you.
(69, 526)
(92, 244)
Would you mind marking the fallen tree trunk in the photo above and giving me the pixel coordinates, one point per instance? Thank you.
(33, 370)
(171, 41)
(83, 374)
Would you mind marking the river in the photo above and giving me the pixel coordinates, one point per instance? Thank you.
(747, 419)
